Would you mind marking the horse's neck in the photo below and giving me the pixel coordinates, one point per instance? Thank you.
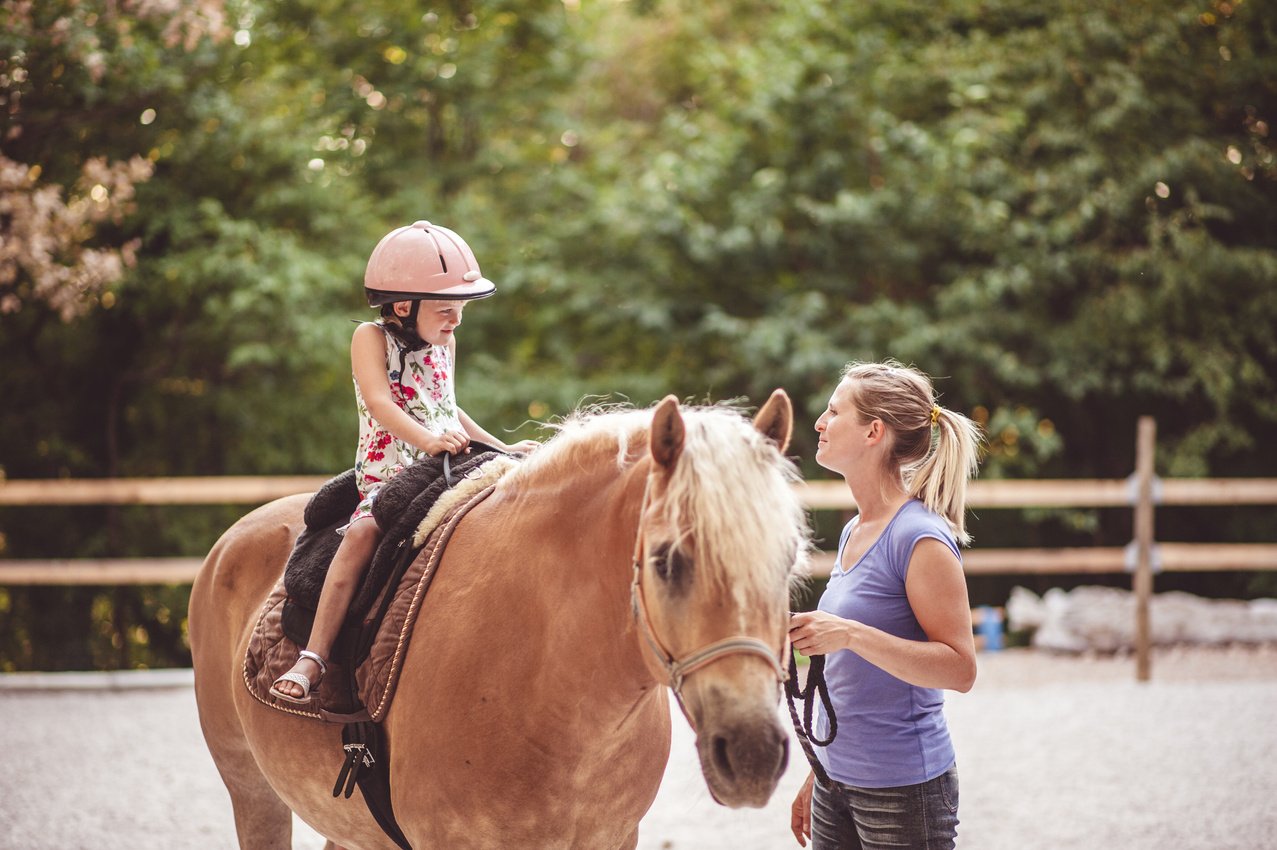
(537, 683)
(578, 530)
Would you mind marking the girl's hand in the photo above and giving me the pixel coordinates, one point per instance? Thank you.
(452, 442)
(818, 633)
(800, 812)
(524, 447)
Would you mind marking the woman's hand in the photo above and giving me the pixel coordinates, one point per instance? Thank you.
(818, 633)
(800, 812)
(452, 442)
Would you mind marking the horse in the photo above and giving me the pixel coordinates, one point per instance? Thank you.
(635, 553)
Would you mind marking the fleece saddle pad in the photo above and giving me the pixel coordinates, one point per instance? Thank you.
(272, 651)
(399, 509)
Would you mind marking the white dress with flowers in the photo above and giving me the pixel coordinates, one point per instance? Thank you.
(426, 393)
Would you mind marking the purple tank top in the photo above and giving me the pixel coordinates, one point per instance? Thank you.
(890, 733)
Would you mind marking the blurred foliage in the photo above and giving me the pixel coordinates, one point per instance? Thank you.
(1062, 211)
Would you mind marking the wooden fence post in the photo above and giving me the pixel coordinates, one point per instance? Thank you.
(1145, 442)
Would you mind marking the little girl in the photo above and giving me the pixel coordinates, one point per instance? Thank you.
(421, 276)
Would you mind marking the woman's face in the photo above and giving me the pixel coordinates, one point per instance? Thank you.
(436, 320)
(842, 432)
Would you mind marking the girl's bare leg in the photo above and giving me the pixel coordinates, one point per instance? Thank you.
(352, 558)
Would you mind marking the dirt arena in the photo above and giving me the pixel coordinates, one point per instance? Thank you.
(1054, 752)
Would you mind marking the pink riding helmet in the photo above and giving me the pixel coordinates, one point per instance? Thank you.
(423, 261)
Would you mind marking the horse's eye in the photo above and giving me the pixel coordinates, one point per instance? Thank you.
(669, 563)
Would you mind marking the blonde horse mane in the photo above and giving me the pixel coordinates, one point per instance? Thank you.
(732, 491)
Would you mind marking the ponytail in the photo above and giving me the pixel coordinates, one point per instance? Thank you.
(940, 480)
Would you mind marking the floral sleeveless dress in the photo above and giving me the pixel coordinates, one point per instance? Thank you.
(426, 393)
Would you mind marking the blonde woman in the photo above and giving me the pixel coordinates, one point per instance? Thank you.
(894, 620)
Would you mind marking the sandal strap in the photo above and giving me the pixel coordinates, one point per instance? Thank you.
(315, 656)
(298, 678)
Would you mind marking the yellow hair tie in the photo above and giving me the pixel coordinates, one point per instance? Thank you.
(935, 414)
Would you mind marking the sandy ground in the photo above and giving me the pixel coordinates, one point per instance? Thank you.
(1053, 752)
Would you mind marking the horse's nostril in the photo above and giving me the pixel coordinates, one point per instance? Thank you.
(731, 756)
(722, 759)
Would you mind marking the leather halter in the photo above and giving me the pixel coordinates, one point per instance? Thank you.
(678, 669)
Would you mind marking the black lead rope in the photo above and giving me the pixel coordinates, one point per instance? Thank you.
(816, 687)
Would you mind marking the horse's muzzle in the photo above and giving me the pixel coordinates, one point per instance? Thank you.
(743, 758)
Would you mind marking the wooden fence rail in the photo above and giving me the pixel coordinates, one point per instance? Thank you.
(817, 495)
(1142, 492)
(208, 490)
(1088, 560)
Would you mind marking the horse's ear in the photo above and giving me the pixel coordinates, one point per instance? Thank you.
(667, 432)
(776, 419)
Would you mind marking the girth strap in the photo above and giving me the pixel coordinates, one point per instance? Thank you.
(368, 765)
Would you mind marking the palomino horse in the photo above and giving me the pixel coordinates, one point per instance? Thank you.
(634, 550)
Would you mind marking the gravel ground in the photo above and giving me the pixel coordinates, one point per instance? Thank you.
(1054, 752)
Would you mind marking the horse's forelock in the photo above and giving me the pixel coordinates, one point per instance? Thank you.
(732, 492)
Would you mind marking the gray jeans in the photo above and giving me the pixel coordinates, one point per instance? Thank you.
(919, 817)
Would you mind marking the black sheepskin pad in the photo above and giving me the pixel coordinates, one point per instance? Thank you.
(400, 507)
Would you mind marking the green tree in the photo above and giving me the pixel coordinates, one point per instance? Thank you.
(216, 351)
(1059, 211)
(230, 166)
(1062, 210)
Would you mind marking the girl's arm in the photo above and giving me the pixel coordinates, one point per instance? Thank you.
(473, 429)
(937, 592)
(368, 362)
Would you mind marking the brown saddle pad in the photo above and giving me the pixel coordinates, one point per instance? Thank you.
(271, 653)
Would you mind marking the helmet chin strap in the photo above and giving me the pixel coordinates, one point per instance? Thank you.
(408, 337)
(410, 326)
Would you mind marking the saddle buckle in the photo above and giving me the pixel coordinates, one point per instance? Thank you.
(350, 768)
(356, 752)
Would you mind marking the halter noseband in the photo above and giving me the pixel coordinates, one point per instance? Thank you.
(678, 669)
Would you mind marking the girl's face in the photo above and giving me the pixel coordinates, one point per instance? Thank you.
(843, 433)
(436, 320)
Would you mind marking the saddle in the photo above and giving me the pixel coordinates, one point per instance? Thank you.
(418, 511)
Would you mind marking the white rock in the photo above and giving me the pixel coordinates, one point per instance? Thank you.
(1103, 619)
(1025, 610)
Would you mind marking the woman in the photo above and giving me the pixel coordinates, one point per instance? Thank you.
(894, 620)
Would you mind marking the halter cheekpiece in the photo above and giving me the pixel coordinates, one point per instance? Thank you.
(678, 669)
